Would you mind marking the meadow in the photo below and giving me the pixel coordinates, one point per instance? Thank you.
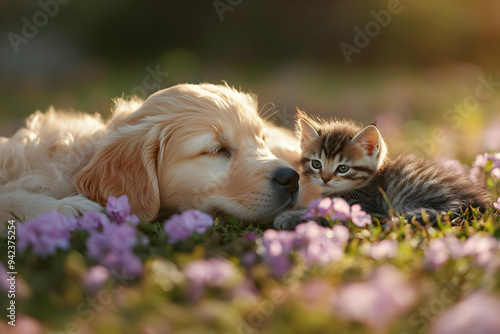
(106, 272)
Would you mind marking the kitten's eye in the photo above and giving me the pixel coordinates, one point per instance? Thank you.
(343, 169)
(316, 164)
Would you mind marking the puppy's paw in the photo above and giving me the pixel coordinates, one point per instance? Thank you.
(289, 219)
(77, 205)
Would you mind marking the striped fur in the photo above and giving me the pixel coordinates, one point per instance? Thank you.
(410, 183)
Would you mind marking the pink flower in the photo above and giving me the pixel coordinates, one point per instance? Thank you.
(477, 313)
(385, 296)
(46, 233)
(385, 249)
(359, 217)
(95, 278)
(119, 210)
(182, 226)
(437, 254)
(482, 248)
(320, 245)
(314, 244)
(214, 273)
(481, 160)
(497, 204)
(25, 324)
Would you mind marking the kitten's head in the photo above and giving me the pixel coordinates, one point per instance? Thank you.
(339, 155)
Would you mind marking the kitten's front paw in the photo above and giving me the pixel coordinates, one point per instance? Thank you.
(289, 219)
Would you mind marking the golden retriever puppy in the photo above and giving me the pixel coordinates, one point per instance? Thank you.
(186, 147)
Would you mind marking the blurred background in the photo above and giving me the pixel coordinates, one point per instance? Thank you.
(427, 71)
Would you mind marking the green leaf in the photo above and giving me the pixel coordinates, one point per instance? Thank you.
(496, 233)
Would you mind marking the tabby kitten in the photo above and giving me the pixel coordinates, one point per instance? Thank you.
(341, 159)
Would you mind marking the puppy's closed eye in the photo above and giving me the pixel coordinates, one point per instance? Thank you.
(220, 151)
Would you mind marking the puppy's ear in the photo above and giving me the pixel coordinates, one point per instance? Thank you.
(126, 163)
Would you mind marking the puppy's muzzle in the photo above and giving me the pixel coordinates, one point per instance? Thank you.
(286, 180)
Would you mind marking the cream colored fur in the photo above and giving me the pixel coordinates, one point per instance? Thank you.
(160, 152)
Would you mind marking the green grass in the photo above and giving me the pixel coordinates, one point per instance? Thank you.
(51, 289)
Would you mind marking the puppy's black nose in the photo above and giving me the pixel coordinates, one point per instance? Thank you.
(287, 179)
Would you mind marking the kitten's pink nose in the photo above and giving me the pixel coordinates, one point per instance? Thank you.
(325, 179)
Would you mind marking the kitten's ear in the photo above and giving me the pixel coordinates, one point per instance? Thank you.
(370, 140)
(307, 131)
(306, 127)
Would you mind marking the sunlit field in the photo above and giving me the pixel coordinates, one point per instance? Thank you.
(429, 78)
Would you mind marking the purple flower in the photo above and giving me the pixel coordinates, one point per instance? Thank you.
(278, 242)
(95, 278)
(214, 273)
(278, 246)
(182, 226)
(495, 158)
(250, 236)
(437, 254)
(477, 313)
(385, 249)
(482, 248)
(497, 204)
(385, 296)
(320, 245)
(340, 210)
(249, 259)
(359, 217)
(92, 220)
(46, 233)
(113, 248)
(318, 208)
(482, 160)
(337, 209)
(119, 210)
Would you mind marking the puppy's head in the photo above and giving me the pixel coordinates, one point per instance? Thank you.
(192, 147)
